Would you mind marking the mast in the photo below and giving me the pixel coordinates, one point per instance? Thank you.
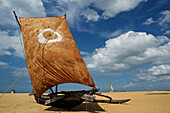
(17, 19)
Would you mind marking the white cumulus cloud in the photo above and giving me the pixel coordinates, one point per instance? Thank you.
(130, 50)
(155, 73)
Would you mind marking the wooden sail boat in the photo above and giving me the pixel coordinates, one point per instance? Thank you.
(52, 59)
(111, 86)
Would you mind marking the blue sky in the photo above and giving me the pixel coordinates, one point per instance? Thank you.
(126, 42)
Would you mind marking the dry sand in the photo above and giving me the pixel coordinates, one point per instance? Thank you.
(140, 103)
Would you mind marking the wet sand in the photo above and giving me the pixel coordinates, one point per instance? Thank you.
(140, 103)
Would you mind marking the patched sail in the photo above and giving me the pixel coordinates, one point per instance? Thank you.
(51, 53)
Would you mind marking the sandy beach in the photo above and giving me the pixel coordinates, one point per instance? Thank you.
(140, 103)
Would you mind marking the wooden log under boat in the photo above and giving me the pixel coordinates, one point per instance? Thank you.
(112, 101)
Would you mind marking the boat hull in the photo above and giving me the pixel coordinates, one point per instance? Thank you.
(65, 99)
(65, 102)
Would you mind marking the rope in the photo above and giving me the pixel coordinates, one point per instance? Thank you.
(13, 83)
(21, 42)
(32, 61)
(24, 56)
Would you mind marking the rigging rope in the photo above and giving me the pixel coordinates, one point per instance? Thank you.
(34, 57)
(23, 54)
(13, 83)
(21, 42)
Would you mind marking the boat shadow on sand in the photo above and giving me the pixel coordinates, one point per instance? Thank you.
(90, 107)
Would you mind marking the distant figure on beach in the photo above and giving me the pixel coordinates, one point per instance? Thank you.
(12, 91)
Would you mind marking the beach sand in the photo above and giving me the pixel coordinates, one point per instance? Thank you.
(140, 103)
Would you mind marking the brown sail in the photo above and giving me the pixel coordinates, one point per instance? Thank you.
(51, 53)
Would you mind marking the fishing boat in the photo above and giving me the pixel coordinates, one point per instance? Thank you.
(53, 58)
(111, 87)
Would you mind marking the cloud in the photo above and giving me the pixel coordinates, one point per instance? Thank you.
(160, 70)
(83, 53)
(128, 85)
(155, 73)
(3, 64)
(149, 21)
(18, 71)
(165, 18)
(22, 8)
(130, 50)
(90, 15)
(10, 45)
(111, 8)
(91, 10)
(167, 32)
(111, 34)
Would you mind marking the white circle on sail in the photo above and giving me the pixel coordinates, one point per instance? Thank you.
(44, 40)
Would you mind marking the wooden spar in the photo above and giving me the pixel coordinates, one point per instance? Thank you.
(103, 96)
(51, 90)
(17, 19)
(56, 88)
(112, 101)
(65, 15)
